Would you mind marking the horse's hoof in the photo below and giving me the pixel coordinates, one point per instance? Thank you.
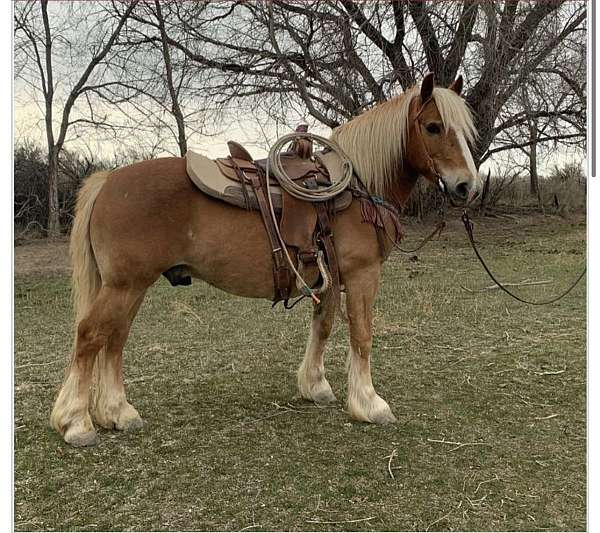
(383, 418)
(373, 409)
(130, 425)
(123, 417)
(324, 397)
(80, 440)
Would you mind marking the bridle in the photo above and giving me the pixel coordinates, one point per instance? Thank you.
(433, 173)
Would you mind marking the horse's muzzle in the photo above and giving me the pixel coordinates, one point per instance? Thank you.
(461, 194)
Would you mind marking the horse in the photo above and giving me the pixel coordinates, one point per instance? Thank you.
(136, 222)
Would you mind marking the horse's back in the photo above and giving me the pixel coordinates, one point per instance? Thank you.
(160, 172)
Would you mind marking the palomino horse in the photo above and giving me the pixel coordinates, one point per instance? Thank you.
(135, 222)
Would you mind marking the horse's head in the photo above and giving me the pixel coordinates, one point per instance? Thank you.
(441, 129)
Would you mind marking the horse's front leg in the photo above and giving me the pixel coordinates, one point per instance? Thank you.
(311, 375)
(363, 402)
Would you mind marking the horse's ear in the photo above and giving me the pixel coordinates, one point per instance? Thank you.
(427, 87)
(457, 85)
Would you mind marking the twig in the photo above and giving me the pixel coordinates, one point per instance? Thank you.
(459, 445)
(495, 478)
(284, 407)
(443, 441)
(546, 417)
(443, 347)
(551, 373)
(140, 379)
(183, 308)
(340, 521)
(249, 527)
(37, 364)
(391, 457)
(476, 503)
(520, 284)
(442, 517)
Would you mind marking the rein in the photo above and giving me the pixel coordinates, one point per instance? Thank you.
(469, 229)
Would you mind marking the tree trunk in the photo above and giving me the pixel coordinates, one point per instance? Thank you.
(533, 175)
(175, 108)
(53, 205)
(534, 184)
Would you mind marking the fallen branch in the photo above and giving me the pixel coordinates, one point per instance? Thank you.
(340, 521)
(493, 287)
(391, 457)
(458, 445)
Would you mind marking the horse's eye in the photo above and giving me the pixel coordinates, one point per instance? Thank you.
(433, 128)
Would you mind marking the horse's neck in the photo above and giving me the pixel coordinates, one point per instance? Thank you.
(402, 186)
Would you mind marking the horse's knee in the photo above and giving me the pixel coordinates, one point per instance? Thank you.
(89, 335)
(94, 333)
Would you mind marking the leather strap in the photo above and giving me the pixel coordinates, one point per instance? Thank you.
(242, 177)
(325, 235)
(281, 273)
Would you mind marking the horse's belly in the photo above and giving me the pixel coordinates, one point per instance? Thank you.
(228, 248)
(232, 252)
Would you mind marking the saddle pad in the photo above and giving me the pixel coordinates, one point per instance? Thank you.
(207, 175)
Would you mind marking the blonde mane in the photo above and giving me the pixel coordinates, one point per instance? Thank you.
(376, 140)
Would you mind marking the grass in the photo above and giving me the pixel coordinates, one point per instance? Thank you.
(489, 395)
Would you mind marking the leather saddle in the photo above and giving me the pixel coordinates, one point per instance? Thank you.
(241, 181)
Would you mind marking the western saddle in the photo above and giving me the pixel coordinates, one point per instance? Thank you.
(303, 226)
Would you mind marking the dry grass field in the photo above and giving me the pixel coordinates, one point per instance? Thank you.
(490, 396)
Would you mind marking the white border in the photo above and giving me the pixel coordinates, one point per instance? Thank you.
(593, 323)
(6, 271)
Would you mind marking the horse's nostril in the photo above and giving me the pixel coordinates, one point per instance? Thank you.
(462, 190)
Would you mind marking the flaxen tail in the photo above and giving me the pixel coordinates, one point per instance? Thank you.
(86, 285)
(86, 280)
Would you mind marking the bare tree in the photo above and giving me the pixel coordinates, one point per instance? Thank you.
(37, 34)
(337, 58)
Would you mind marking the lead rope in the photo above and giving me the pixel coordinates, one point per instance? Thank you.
(469, 229)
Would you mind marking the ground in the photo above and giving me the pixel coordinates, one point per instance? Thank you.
(489, 395)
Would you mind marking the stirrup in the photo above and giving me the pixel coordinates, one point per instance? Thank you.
(325, 275)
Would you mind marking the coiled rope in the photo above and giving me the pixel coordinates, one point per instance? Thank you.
(298, 191)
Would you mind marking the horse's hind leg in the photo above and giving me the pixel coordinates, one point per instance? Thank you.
(363, 402)
(110, 408)
(311, 375)
(70, 415)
